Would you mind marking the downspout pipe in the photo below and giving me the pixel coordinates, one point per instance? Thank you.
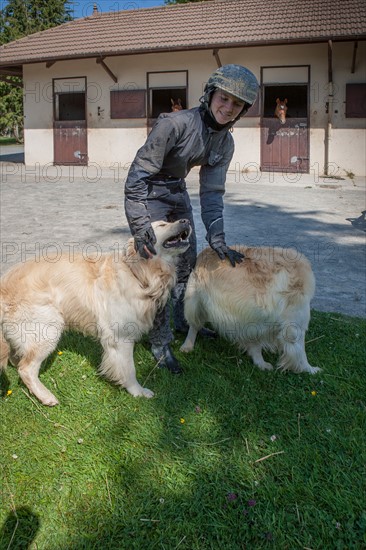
(329, 109)
(354, 56)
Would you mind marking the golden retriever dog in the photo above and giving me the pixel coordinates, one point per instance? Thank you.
(261, 303)
(114, 298)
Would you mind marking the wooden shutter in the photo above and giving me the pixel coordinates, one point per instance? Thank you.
(128, 104)
(355, 100)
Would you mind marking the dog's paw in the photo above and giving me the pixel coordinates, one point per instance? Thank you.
(50, 401)
(307, 369)
(314, 370)
(147, 393)
(44, 396)
(139, 391)
(186, 348)
(264, 366)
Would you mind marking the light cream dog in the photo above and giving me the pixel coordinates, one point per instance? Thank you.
(263, 302)
(113, 297)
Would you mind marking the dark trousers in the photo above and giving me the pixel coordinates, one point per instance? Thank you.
(170, 202)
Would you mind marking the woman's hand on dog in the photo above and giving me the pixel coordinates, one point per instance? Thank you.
(144, 243)
(224, 251)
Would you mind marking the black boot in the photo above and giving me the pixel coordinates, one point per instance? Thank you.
(177, 295)
(166, 359)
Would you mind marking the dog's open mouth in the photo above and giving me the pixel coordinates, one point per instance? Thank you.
(179, 240)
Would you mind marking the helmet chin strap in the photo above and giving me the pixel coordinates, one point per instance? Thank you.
(244, 110)
(205, 100)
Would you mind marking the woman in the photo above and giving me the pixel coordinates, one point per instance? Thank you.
(155, 188)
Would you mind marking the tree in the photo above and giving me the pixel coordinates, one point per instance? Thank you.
(20, 18)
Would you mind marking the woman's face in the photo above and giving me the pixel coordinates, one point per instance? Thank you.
(225, 107)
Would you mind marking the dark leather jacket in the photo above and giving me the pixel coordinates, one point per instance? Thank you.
(177, 142)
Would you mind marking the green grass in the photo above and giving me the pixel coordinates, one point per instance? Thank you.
(7, 141)
(184, 470)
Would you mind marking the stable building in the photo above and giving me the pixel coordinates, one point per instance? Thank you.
(93, 87)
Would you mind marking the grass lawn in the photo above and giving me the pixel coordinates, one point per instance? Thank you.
(224, 457)
(7, 141)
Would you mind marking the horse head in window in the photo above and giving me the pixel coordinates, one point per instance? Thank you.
(176, 104)
(281, 110)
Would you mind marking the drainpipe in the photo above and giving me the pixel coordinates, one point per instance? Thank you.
(355, 46)
(329, 108)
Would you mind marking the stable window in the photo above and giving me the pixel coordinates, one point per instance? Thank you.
(70, 106)
(69, 98)
(355, 100)
(289, 82)
(296, 95)
(166, 91)
(164, 100)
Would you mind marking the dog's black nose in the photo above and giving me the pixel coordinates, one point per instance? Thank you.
(183, 221)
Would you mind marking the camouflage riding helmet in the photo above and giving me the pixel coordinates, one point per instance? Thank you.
(237, 81)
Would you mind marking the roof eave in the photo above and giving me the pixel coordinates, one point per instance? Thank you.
(193, 47)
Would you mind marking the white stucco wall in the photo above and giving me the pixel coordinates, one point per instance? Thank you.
(112, 142)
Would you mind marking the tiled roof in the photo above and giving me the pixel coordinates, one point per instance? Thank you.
(199, 25)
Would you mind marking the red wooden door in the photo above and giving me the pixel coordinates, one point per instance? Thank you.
(69, 122)
(285, 147)
(70, 142)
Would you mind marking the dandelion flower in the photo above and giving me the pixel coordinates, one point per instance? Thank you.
(182, 420)
(9, 392)
(313, 392)
(60, 353)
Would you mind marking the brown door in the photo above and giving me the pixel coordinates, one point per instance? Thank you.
(285, 146)
(69, 125)
(70, 141)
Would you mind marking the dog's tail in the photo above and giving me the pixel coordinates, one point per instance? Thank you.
(299, 281)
